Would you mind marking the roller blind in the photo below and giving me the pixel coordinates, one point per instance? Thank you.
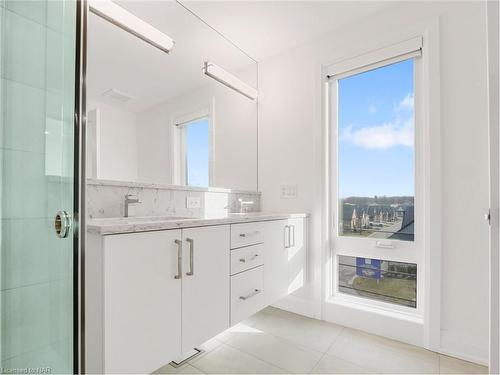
(379, 57)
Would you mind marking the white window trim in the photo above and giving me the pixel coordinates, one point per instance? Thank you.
(403, 251)
(350, 313)
(178, 142)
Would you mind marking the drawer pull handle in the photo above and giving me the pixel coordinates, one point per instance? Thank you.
(249, 234)
(243, 260)
(254, 293)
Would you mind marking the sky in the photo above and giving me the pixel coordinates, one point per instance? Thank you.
(197, 152)
(376, 132)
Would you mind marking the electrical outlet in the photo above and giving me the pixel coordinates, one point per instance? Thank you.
(193, 202)
(288, 191)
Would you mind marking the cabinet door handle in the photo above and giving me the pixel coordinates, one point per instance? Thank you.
(254, 233)
(191, 256)
(254, 293)
(179, 259)
(292, 235)
(287, 236)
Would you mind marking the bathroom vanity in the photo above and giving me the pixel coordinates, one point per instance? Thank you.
(158, 287)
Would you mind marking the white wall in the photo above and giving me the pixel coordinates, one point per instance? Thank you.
(290, 140)
(234, 140)
(118, 143)
(493, 13)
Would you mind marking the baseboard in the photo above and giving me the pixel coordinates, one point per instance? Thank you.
(467, 347)
(396, 326)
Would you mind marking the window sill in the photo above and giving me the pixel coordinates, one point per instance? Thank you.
(375, 307)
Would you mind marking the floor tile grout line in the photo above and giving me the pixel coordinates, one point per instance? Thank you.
(254, 356)
(199, 369)
(368, 371)
(291, 342)
(335, 339)
(319, 360)
(34, 350)
(301, 345)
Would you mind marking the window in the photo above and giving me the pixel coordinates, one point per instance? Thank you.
(194, 152)
(197, 153)
(382, 280)
(376, 153)
(374, 191)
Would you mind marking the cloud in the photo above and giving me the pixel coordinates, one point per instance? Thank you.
(408, 102)
(380, 136)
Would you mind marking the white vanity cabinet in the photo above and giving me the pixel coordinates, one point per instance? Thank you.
(296, 252)
(205, 284)
(160, 294)
(142, 300)
(153, 295)
(285, 257)
(247, 269)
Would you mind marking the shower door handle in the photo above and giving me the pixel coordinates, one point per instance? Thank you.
(62, 224)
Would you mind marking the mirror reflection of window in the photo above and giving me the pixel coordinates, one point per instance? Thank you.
(196, 152)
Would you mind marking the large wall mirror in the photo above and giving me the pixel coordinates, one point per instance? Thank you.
(156, 117)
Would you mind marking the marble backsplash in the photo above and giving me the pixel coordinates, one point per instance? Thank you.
(105, 199)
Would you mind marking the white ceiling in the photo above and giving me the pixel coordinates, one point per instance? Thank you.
(266, 28)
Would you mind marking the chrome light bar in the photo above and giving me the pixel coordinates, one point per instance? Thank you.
(219, 74)
(122, 18)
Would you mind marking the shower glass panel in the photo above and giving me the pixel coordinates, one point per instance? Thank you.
(37, 157)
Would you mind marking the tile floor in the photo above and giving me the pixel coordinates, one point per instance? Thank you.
(274, 341)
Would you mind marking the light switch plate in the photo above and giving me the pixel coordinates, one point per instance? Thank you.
(193, 202)
(288, 191)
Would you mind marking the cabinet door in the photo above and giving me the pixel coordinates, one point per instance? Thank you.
(142, 301)
(296, 244)
(275, 261)
(205, 285)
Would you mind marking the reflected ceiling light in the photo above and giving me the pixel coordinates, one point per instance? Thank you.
(117, 95)
(226, 78)
(131, 23)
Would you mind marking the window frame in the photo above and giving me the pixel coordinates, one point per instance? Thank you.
(398, 250)
(178, 146)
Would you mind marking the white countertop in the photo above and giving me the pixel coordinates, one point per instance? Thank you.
(119, 225)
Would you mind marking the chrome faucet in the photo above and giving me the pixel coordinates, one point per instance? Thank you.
(129, 200)
(244, 204)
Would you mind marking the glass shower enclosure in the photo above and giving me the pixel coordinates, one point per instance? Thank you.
(38, 254)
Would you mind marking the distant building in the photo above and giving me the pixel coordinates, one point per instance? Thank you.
(398, 217)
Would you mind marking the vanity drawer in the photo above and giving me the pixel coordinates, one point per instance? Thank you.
(246, 234)
(247, 257)
(247, 294)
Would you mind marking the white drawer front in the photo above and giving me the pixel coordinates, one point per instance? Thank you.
(246, 234)
(245, 258)
(247, 294)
